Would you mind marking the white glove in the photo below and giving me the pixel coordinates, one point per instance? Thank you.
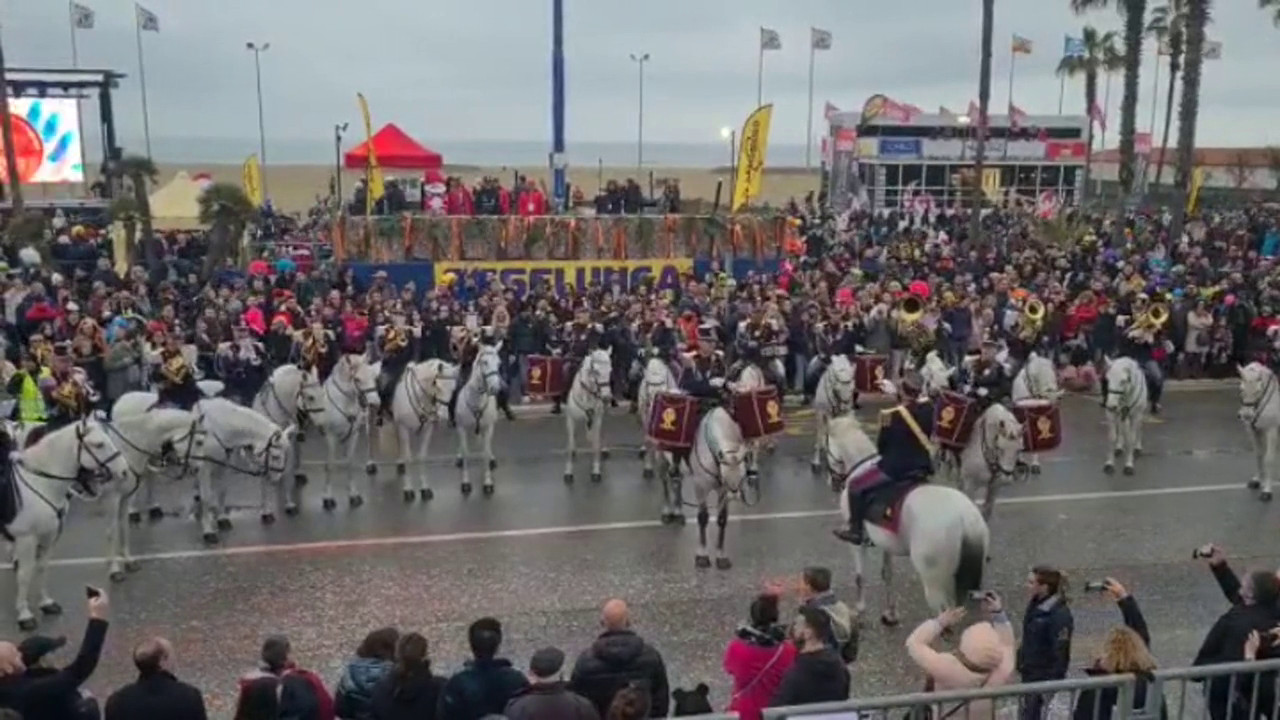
(887, 387)
(717, 382)
(982, 392)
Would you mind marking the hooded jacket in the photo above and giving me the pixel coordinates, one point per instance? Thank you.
(412, 697)
(814, 677)
(757, 661)
(616, 659)
(354, 692)
(480, 688)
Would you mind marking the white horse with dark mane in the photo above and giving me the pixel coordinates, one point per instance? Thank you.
(419, 402)
(349, 395)
(939, 528)
(476, 413)
(1036, 380)
(718, 469)
(585, 404)
(1260, 413)
(832, 398)
(74, 460)
(291, 395)
(750, 379)
(657, 378)
(988, 458)
(1126, 406)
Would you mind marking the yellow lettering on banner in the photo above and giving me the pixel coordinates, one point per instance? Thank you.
(879, 372)
(521, 276)
(535, 373)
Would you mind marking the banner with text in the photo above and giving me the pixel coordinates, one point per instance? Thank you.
(521, 275)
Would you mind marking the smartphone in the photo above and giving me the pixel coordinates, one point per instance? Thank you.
(92, 592)
(977, 594)
(1203, 551)
(1095, 586)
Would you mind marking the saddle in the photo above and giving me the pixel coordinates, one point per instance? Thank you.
(882, 498)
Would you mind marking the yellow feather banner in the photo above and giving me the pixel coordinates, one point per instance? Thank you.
(251, 180)
(751, 157)
(376, 188)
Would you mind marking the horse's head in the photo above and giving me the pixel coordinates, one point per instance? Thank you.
(846, 445)
(274, 449)
(1256, 383)
(597, 373)
(656, 372)
(310, 393)
(935, 376)
(1001, 438)
(441, 384)
(363, 378)
(840, 380)
(1041, 377)
(1121, 382)
(488, 367)
(97, 458)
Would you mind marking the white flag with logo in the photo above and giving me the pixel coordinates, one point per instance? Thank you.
(820, 39)
(1212, 50)
(147, 20)
(770, 39)
(82, 17)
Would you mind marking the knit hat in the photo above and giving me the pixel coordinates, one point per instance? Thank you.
(981, 646)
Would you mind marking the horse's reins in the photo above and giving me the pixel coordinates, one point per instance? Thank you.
(269, 391)
(991, 454)
(1129, 406)
(595, 393)
(739, 492)
(230, 450)
(833, 397)
(189, 437)
(478, 409)
(356, 392)
(421, 402)
(82, 448)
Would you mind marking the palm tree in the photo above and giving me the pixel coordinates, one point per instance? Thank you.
(140, 170)
(1168, 26)
(1134, 13)
(984, 102)
(1189, 109)
(1271, 6)
(1100, 56)
(228, 211)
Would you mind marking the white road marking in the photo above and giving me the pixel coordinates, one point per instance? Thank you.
(403, 540)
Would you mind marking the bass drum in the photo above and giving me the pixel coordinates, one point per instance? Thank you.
(868, 371)
(673, 421)
(953, 419)
(758, 413)
(1041, 425)
(546, 376)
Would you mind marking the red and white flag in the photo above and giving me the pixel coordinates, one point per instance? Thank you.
(828, 110)
(1016, 116)
(1098, 116)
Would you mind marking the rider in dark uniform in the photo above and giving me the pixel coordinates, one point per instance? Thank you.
(705, 372)
(1139, 341)
(905, 454)
(175, 377)
(576, 340)
(67, 399)
(468, 346)
(397, 350)
(989, 381)
(239, 362)
(755, 339)
(317, 349)
(836, 337)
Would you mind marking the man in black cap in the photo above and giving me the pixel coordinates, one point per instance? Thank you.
(989, 381)
(36, 655)
(548, 696)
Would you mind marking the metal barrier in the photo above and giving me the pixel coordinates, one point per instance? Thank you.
(714, 716)
(1237, 691)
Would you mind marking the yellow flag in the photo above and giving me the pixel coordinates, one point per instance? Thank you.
(991, 183)
(751, 155)
(1193, 197)
(375, 189)
(251, 179)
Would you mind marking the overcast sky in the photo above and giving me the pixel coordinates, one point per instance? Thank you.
(474, 71)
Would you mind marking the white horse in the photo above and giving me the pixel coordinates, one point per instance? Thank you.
(832, 398)
(1260, 413)
(586, 403)
(939, 528)
(752, 378)
(419, 402)
(1126, 408)
(717, 465)
(476, 413)
(69, 460)
(1037, 380)
(657, 378)
(988, 458)
(349, 394)
(935, 376)
(291, 395)
(150, 441)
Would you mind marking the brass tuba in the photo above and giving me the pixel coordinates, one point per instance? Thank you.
(910, 310)
(911, 326)
(1157, 316)
(1032, 320)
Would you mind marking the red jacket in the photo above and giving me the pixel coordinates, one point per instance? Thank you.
(504, 201)
(323, 698)
(532, 203)
(756, 671)
(458, 202)
(1081, 316)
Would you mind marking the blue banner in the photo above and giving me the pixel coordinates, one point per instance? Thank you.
(900, 147)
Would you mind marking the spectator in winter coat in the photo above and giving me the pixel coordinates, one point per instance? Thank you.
(548, 696)
(1125, 651)
(757, 658)
(818, 674)
(1253, 609)
(291, 691)
(815, 589)
(373, 661)
(1047, 627)
(485, 683)
(984, 659)
(618, 658)
(157, 694)
(410, 691)
(47, 695)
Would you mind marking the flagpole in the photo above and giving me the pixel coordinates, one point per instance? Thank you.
(1155, 94)
(1013, 59)
(1062, 91)
(760, 73)
(1106, 111)
(808, 136)
(71, 24)
(142, 80)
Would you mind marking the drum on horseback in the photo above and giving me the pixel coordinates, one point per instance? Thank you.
(1035, 395)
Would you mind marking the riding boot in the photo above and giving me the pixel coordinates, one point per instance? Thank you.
(852, 533)
(504, 404)
(1154, 390)
(555, 409)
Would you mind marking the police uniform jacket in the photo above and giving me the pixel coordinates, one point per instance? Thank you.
(696, 380)
(991, 376)
(901, 454)
(1045, 652)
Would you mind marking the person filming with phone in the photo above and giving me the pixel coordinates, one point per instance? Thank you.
(983, 659)
(54, 695)
(1126, 650)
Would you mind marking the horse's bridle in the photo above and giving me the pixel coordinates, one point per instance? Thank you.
(267, 470)
(359, 394)
(300, 410)
(991, 453)
(596, 390)
(82, 448)
(193, 432)
(1125, 410)
(836, 402)
(422, 402)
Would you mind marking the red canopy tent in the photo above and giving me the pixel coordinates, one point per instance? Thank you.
(395, 150)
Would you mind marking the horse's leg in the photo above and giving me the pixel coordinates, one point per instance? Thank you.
(44, 548)
(1257, 440)
(753, 460)
(331, 447)
(859, 584)
(208, 514)
(292, 492)
(594, 431)
(465, 461)
(819, 436)
(647, 454)
(570, 448)
(220, 500)
(404, 444)
(1131, 430)
(489, 462)
(115, 535)
(889, 617)
(702, 560)
(148, 485)
(722, 523)
(989, 502)
(354, 498)
(1033, 463)
(1269, 441)
(24, 556)
(1113, 443)
(424, 488)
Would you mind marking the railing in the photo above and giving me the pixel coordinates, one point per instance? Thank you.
(401, 238)
(1250, 688)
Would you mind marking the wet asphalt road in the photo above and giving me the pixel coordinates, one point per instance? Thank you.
(542, 556)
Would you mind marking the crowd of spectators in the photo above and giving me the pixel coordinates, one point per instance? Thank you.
(523, 196)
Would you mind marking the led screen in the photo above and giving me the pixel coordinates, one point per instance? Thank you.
(46, 138)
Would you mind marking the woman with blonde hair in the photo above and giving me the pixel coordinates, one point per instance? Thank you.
(1126, 650)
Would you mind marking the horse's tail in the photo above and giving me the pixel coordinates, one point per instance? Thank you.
(973, 556)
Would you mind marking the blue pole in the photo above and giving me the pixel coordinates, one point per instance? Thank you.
(557, 105)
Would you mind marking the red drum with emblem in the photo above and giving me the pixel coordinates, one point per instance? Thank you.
(868, 371)
(545, 376)
(1041, 424)
(673, 420)
(953, 419)
(758, 413)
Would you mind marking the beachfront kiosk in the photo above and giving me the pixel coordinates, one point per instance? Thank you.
(893, 155)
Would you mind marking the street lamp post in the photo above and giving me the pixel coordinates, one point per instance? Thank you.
(257, 50)
(338, 129)
(640, 60)
(728, 133)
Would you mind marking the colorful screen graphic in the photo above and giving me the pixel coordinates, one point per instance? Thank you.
(46, 138)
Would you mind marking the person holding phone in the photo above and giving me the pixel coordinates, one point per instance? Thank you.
(1126, 650)
(55, 695)
(983, 659)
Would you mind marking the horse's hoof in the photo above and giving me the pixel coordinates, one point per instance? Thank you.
(493, 464)
(1109, 469)
(1034, 469)
(466, 489)
(408, 496)
(1265, 496)
(300, 480)
(300, 436)
(135, 517)
(1254, 484)
(815, 468)
(597, 477)
(1128, 470)
(647, 473)
(568, 478)
(224, 523)
(702, 562)
(116, 576)
(51, 608)
(291, 510)
(268, 518)
(1137, 452)
(155, 512)
(27, 624)
(604, 454)
(370, 469)
(132, 566)
(329, 503)
(355, 501)
(888, 620)
(210, 538)
(487, 490)
(401, 469)
(457, 463)
(640, 454)
(426, 494)
(723, 563)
